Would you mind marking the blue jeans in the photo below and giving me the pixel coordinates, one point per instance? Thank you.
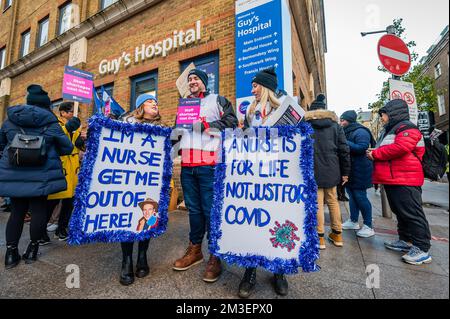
(198, 190)
(360, 203)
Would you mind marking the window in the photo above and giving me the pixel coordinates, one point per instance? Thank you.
(437, 70)
(42, 36)
(107, 3)
(8, 3)
(441, 105)
(210, 65)
(109, 88)
(65, 16)
(2, 57)
(143, 84)
(25, 44)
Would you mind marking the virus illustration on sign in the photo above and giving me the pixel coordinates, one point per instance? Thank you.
(284, 235)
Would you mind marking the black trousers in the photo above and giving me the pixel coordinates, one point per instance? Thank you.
(19, 207)
(66, 211)
(127, 248)
(406, 204)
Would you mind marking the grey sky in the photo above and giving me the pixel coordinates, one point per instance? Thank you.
(351, 62)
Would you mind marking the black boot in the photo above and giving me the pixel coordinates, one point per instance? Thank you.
(12, 257)
(248, 283)
(281, 284)
(30, 255)
(127, 274)
(142, 269)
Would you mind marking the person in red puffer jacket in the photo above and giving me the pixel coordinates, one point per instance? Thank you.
(398, 166)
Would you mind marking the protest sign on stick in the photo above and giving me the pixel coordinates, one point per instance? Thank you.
(182, 81)
(124, 183)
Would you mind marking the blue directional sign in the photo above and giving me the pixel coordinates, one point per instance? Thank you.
(259, 44)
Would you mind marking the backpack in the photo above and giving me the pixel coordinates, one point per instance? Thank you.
(27, 150)
(434, 161)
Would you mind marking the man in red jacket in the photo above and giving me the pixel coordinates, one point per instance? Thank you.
(397, 166)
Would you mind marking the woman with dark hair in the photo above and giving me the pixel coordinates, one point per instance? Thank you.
(29, 186)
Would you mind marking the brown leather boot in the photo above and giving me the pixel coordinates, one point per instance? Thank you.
(192, 257)
(213, 270)
(322, 244)
(336, 239)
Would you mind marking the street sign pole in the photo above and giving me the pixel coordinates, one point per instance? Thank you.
(385, 208)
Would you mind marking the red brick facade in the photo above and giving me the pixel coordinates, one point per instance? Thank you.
(153, 24)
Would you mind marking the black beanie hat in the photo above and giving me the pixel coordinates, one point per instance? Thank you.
(319, 103)
(37, 96)
(267, 78)
(349, 116)
(201, 75)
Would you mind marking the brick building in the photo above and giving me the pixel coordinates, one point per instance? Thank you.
(437, 66)
(38, 38)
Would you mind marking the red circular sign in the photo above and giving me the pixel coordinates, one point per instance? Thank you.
(394, 54)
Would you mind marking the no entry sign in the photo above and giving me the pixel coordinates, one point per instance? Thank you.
(394, 54)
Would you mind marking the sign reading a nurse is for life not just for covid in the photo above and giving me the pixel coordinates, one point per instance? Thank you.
(264, 209)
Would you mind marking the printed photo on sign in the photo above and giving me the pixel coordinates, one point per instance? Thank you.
(123, 193)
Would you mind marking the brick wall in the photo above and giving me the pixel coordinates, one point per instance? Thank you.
(148, 27)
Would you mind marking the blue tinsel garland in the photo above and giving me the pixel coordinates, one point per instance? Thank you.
(309, 251)
(76, 233)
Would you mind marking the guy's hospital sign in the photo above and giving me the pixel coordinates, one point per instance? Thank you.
(179, 39)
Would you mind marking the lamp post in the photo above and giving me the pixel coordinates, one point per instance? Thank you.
(385, 209)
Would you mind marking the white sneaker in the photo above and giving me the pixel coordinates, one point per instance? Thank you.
(349, 225)
(365, 232)
(52, 227)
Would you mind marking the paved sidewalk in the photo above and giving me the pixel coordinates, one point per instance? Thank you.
(343, 273)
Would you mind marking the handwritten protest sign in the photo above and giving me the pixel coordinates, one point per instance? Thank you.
(264, 212)
(124, 184)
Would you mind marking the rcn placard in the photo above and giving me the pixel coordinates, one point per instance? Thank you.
(77, 85)
(263, 40)
(264, 212)
(124, 184)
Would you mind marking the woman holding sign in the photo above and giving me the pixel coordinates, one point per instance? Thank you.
(264, 88)
(147, 112)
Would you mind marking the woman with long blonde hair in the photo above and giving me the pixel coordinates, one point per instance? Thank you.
(264, 88)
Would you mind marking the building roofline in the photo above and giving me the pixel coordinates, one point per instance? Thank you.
(437, 47)
(99, 22)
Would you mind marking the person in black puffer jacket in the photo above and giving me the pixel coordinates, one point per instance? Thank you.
(331, 166)
(28, 187)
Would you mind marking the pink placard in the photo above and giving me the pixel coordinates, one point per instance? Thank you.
(77, 86)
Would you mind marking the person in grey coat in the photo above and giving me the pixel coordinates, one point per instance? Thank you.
(28, 187)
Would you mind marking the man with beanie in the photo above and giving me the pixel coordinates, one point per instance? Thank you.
(359, 140)
(71, 126)
(331, 166)
(397, 166)
(29, 187)
(199, 156)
